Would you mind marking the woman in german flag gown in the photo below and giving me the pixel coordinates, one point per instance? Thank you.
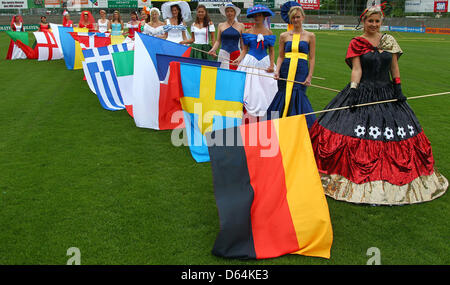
(375, 154)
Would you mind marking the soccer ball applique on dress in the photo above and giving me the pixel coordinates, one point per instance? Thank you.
(374, 132)
(360, 131)
(388, 133)
(401, 132)
(411, 130)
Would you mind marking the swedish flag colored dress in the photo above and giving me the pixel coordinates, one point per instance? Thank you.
(298, 103)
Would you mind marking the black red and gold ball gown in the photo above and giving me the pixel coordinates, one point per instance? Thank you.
(376, 154)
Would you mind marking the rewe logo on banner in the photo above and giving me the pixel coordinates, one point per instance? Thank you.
(440, 6)
(310, 4)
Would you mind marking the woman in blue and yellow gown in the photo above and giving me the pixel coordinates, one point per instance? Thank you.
(295, 62)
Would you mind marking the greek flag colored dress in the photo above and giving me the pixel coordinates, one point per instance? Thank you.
(174, 32)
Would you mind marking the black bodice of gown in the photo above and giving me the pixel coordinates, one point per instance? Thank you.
(376, 67)
(386, 122)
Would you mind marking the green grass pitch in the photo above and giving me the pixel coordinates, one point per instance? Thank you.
(75, 175)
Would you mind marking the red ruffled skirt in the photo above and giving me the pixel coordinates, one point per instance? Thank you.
(375, 155)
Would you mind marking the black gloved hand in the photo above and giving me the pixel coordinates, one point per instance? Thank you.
(352, 99)
(398, 92)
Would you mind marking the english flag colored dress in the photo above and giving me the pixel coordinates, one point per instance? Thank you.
(375, 154)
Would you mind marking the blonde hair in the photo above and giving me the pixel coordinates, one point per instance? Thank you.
(294, 10)
(372, 11)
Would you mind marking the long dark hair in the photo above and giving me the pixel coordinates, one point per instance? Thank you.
(206, 20)
(135, 13)
(180, 17)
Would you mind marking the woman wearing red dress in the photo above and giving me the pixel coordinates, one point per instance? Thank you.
(66, 19)
(87, 21)
(17, 23)
(14, 52)
(133, 26)
(43, 25)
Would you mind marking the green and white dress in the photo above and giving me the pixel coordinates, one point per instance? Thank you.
(201, 41)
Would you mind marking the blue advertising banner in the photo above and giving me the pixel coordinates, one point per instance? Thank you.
(407, 29)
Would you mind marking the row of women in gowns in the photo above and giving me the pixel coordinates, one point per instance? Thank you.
(376, 154)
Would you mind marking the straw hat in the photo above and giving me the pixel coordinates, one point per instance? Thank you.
(229, 5)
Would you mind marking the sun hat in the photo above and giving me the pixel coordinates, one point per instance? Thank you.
(229, 5)
(285, 10)
(258, 8)
(184, 6)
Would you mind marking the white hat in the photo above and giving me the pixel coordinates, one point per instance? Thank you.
(229, 5)
(184, 6)
(155, 9)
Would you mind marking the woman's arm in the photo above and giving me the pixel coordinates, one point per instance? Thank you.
(123, 31)
(395, 71)
(241, 30)
(212, 34)
(213, 38)
(280, 55)
(312, 59)
(188, 42)
(183, 33)
(244, 51)
(355, 78)
(272, 59)
(356, 70)
(216, 44)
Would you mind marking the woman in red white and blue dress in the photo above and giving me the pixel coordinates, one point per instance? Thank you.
(228, 37)
(376, 154)
(133, 27)
(257, 57)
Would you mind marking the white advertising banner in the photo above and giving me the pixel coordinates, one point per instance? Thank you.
(13, 4)
(419, 6)
(212, 4)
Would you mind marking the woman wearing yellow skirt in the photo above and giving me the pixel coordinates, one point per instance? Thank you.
(116, 28)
